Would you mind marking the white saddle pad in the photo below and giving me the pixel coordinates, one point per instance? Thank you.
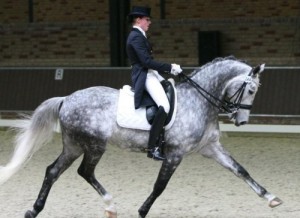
(129, 117)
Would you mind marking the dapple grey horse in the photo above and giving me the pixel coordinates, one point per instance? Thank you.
(88, 123)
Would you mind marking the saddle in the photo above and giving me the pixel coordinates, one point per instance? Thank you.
(142, 118)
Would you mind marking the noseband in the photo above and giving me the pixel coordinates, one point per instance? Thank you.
(227, 106)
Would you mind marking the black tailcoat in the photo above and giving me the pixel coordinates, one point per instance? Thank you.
(139, 52)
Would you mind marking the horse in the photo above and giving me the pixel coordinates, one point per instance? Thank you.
(87, 120)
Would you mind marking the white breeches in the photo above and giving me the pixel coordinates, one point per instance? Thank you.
(155, 89)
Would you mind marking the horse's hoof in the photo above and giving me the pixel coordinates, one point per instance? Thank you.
(275, 202)
(29, 214)
(110, 214)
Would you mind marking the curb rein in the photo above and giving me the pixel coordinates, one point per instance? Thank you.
(224, 105)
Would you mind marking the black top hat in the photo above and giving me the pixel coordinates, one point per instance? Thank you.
(138, 11)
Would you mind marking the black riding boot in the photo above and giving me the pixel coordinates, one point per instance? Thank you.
(156, 128)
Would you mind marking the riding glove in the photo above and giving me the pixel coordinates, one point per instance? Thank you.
(176, 69)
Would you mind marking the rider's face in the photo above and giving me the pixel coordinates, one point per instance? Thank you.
(144, 23)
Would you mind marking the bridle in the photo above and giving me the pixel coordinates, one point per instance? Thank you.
(227, 106)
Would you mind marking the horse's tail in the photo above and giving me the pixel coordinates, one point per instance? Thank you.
(32, 132)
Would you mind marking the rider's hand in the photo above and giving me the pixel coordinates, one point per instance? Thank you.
(176, 69)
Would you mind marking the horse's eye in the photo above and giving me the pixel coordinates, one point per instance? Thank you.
(251, 92)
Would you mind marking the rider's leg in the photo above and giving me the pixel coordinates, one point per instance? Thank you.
(156, 128)
(156, 91)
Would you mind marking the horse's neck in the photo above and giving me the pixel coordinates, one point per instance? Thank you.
(215, 77)
(212, 81)
(209, 81)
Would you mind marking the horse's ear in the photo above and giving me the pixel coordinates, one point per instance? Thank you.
(258, 69)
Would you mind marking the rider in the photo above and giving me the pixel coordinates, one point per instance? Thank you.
(145, 77)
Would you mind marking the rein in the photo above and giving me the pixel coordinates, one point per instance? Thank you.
(223, 105)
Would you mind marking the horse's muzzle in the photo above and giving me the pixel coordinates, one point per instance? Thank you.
(240, 123)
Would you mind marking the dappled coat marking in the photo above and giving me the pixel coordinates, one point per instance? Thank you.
(88, 123)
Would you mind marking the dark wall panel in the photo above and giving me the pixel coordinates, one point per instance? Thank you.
(25, 89)
(279, 92)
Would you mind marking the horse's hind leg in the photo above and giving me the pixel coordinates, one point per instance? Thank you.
(86, 170)
(218, 153)
(53, 171)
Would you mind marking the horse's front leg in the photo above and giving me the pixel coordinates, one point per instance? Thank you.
(218, 153)
(166, 171)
